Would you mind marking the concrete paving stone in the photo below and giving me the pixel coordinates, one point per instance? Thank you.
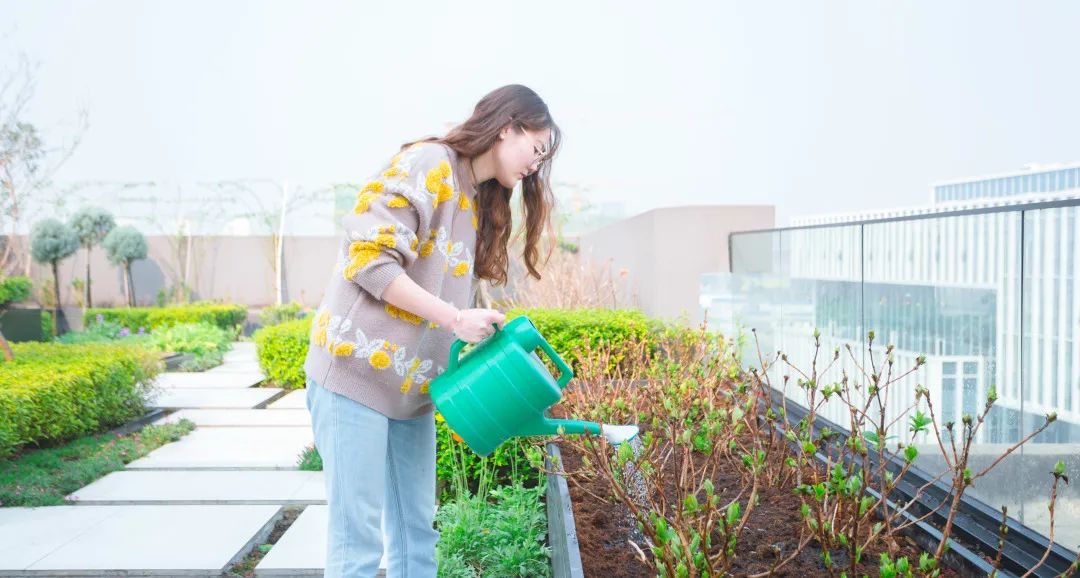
(246, 398)
(243, 347)
(209, 380)
(301, 551)
(231, 448)
(128, 540)
(292, 400)
(204, 487)
(240, 417)
(246, 367)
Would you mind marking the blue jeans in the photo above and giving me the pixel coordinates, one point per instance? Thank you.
(376, 469)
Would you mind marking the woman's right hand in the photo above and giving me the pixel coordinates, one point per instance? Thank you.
(475, 324)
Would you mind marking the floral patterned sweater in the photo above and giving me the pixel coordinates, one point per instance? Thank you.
(417, 217)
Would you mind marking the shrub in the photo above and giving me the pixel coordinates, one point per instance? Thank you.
(208, 343)
(53, 392)
(513, 462)
(281, 350)
(225, 316)
(572, 332)
(15, 289)
(278, 314)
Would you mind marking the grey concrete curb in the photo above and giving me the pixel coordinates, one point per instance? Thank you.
(562, 534)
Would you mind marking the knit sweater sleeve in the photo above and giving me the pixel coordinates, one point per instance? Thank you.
(392, 212)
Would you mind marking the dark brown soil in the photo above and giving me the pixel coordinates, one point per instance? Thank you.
(246, 567)
(604, 528)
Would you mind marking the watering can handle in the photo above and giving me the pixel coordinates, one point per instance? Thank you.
(455, 350)
(565, 375)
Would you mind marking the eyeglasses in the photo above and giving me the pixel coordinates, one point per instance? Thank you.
(539, 152)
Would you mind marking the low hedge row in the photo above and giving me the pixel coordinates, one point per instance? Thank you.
(53, 392)
(227, 317)
(282, 348)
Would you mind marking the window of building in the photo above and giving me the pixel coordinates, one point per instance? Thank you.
(948, 399)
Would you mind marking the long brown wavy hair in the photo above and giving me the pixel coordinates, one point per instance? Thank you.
(521, 106)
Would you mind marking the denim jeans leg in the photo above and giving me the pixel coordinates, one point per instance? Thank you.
(410, 498)
(351, 439)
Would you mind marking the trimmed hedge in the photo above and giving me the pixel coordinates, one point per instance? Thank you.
(227, 317)
(52, 392)
(282, 349)
(568, 331)
(15, 289)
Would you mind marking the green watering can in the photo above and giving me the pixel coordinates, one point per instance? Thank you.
(501, 389)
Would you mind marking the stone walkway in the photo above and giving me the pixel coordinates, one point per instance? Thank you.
(193, 507)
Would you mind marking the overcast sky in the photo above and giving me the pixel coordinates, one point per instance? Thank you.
(812, 106)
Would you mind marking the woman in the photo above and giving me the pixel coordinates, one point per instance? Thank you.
(430, 222)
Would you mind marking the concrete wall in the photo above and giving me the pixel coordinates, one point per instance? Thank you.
(666, 250)
(235, 269)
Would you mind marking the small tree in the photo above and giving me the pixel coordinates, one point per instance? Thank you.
(124, 246)
(91, 224)
(51, 242)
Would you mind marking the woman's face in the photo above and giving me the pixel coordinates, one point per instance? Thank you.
(519, 153)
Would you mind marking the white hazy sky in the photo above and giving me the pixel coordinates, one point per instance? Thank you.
(809, 105)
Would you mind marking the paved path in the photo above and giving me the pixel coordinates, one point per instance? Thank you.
(192, 507)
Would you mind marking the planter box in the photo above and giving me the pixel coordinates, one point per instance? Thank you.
(21, 324)
(174, 360)
(562, 535)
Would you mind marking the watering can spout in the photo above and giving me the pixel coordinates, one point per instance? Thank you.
(545, 426)
(615, 434)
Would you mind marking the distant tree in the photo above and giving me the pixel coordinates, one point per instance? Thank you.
(91, 224)
(125, 245)
(51, 242)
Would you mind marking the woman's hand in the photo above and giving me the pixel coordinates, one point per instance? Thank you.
(473, 325)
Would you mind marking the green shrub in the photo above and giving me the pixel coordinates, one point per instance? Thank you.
(282, 350)
(15, 289)
(228, 317)
(208, 343)
(278, 314)
(46, 324)
(500, 536)
(53, 392)
(571, 331)
(104, 331)
(512, 462)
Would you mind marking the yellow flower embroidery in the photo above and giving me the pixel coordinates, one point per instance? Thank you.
(344, 349)
(361, 253)
(437, 185)
(379, 360)
(385, 238)
(368, 195)
(475, 218)
(407, 384)
(398, 202)
(429, 246)
(463, 202)
(321, 324)
(403, 315)
(425, 386)
(461, 269)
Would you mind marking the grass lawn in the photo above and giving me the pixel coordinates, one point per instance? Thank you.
(42, 477)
